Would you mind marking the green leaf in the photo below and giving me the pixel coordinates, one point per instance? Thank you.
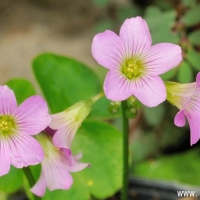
(12, 181)
(64, 81)
(101, 145)
(169, 75)
(161, 26)
(189, 3)
(191, 17)
(194, 37)
(194, 58)
(125, 12)
(22, 89)
(174, 168)
(185, 73)
(157, 113)
(101, 3)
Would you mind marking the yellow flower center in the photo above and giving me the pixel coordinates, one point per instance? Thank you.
(7, 125)
(132, 68)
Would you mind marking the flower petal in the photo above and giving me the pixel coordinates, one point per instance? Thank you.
(198, 79)
(8, 101)
(64, 136)
(32, 115)
(55, 172)
(25, 151)
(162, 57)
(149, 90)
(4, 158)
(116, 86)
(60, 120)
(74, 164)
(193, 120)
(136, 36)
(179, 119)
(40, 187)
(108, 49)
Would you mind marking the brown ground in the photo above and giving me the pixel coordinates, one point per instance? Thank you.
(28, 28)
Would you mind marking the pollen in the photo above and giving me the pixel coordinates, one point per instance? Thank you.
(6, 125)
(132, 69)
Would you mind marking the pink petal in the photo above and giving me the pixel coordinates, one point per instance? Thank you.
(4, 157)
(60, 120)
(32, 115)
(162, 57)
(179, 119)
(136, 36)
(116, 86)
(149, 90)
(8, 101)
(194, 127)
(74, 164)
(64, 136)
(108, 49)
(56, 174)
(40, 187)
(25, 151)
(198, 79)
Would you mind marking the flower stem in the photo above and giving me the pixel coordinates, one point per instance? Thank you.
(124, 192)
(30, 178)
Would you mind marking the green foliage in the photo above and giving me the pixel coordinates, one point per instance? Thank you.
(191, 17)
(180, 167)
(154, 116)
(22, 88)
(194, 58)
(125, 12)
(12, 181)
(65, 81)
(194, 37)
(160, 24)
(101, 3)
(169, 75)
(189, 3)
(185, 73)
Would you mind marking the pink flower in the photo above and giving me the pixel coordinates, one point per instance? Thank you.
(67, 122)
(187, 98)
(133, 63)
(56, 166)
(17, 125)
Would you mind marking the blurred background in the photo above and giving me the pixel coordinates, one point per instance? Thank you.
(160, 150)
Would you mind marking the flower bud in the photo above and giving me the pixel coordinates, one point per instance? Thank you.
(114, 106)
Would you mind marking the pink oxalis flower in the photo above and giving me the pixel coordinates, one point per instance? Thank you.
(56, 166)
(187, 98)
(17, 125)
(134, 64)
(66, 123)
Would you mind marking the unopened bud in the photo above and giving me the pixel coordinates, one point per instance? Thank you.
(114, 106)
(132, 102)
(131, 112)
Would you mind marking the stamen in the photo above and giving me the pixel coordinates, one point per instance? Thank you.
(6, 125)
(132, 69)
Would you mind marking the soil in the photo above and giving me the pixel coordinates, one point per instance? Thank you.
(31, 27)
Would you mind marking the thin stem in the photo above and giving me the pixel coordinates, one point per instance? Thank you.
(30, 179)
(124, 192)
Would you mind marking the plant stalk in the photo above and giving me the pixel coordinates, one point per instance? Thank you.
(30, 178)
(124, 192)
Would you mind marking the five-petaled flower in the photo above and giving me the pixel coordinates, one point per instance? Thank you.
(187, 98)
(17, 125)
(133, 63)
(56, 166)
